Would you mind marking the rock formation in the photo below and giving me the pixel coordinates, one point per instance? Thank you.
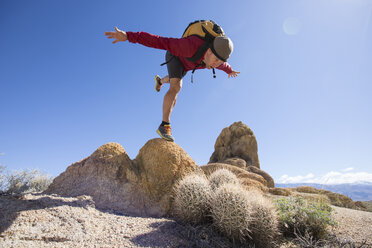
(236, 150)
(236, 141)
(141, 186)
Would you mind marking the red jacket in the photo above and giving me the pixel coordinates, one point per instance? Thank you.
(182, 48)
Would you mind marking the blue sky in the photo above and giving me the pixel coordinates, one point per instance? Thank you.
(304, 89)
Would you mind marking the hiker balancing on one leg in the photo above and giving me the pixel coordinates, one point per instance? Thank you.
(179, 52)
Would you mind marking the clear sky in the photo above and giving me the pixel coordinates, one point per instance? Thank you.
(304, 89)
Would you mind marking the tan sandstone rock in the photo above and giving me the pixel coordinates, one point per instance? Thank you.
(161, 165)
(269, 180)
(236, 140)
(238, 162)
(140, 187)
(246, 178)
(280, 191)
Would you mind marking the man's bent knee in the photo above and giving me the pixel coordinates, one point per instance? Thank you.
(175, 85)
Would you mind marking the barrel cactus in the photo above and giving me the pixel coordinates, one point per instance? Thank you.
(231, 212)
(220, 177)
(192, 196)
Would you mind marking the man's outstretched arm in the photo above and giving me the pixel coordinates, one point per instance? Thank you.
(227, 68)
(119, 35)
(184, 47)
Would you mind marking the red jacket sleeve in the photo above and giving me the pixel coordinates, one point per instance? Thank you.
(184, 47)
(225, 67)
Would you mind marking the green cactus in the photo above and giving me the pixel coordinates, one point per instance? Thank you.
(231, 211)
(220, 177)
(192, 196)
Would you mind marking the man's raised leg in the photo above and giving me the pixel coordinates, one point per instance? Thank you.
(169, 102)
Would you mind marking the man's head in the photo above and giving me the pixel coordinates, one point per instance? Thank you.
(219, 52)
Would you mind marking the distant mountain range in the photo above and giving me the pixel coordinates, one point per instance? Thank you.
(357, 191)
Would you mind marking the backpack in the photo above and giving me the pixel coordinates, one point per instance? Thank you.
(207, 30)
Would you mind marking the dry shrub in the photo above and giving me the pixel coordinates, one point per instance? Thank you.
(2, 178)
(26, 181)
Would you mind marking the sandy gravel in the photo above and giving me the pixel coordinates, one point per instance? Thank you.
(51, 221)
(36, 220)
(353, 224)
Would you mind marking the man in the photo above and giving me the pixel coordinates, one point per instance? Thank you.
(178, 50)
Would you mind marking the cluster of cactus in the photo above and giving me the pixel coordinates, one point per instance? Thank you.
(241, 215)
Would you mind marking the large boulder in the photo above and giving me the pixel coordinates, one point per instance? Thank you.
(234, 141)
(161, 164)
(141, 186)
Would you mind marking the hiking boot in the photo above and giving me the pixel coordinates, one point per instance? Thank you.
(158, 83)
(165, 132)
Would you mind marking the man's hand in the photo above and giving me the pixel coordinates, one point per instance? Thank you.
(119, 35)
(234, 74)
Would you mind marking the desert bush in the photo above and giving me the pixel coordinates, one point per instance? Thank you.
(264, 224)
(368, 205)
(26, 181)
(231, 212)
(192, 196)
(220, 177)
(2, 178)
(300, 216)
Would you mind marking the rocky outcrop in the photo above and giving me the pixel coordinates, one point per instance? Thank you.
(280, 191)
(144, 186)
(238, 162)
(317, 195)
(141, 186)
(269, 180)
(237, 146)
(236, 141)
(336, 199)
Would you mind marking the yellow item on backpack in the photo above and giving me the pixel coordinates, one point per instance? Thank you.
(203, 28)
